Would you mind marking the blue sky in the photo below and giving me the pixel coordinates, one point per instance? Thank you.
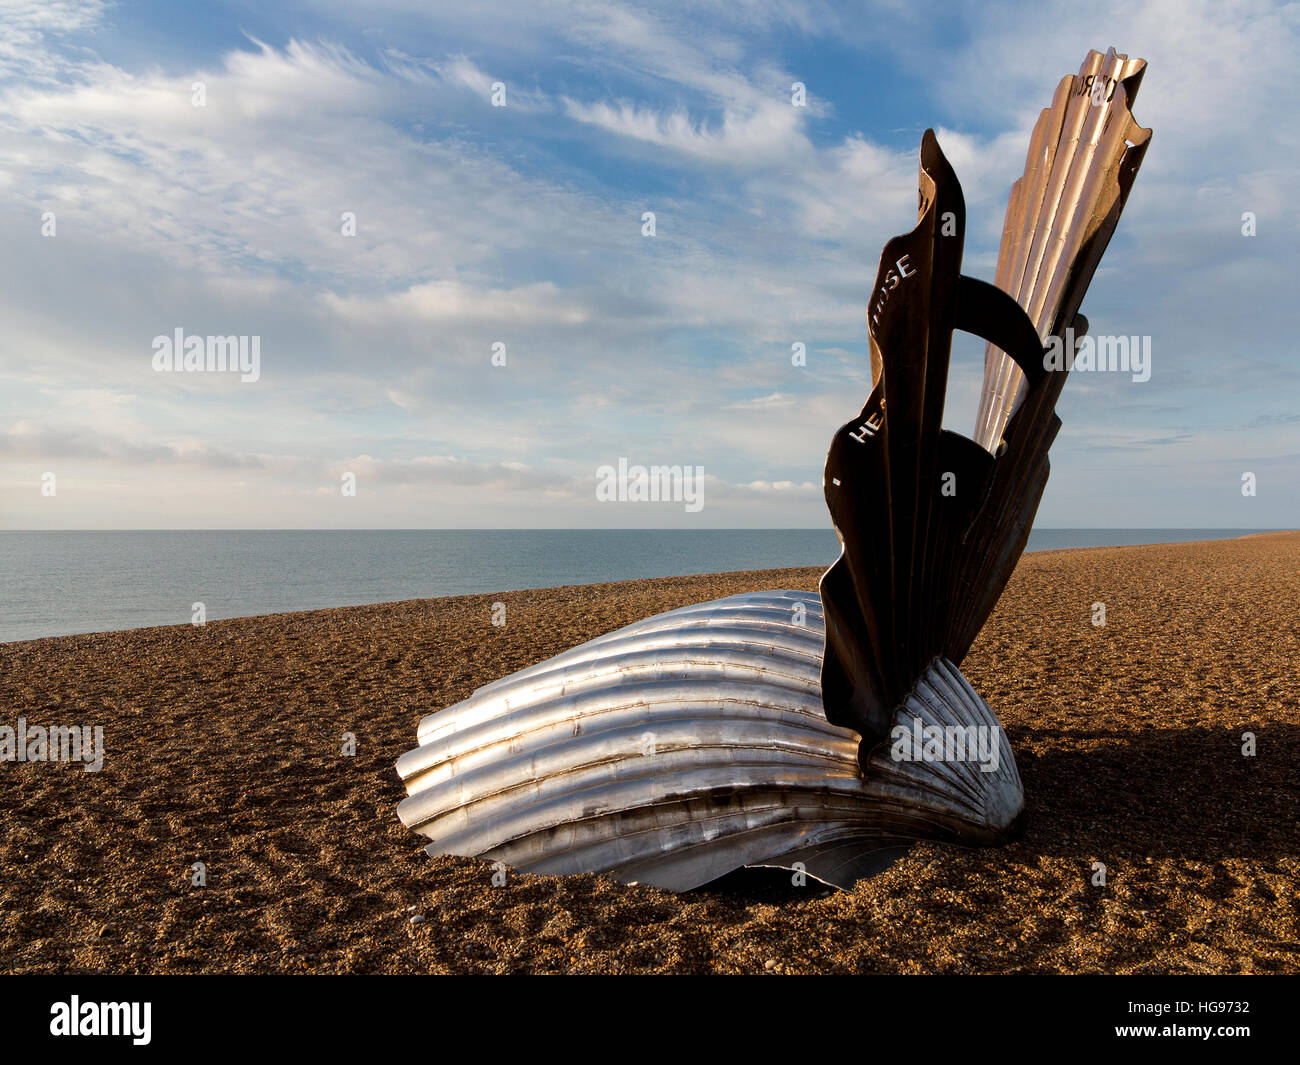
(522, 225)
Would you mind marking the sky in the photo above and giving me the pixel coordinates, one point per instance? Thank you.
(170, 166)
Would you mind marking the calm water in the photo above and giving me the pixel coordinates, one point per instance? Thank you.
(57, 583)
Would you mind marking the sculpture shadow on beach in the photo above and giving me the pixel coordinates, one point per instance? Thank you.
(1119, 796)
(1161, 793)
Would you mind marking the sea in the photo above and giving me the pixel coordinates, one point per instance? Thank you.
(60, 583)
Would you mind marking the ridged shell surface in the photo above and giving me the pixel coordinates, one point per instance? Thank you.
(691, 743)
(1084, 153)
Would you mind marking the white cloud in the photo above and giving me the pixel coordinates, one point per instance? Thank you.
(769, 132)
(454, 301)
(522, 224)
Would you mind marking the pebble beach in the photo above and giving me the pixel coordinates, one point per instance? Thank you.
(235, 828)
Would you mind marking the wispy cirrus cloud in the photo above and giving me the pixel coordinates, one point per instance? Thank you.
(477, 225)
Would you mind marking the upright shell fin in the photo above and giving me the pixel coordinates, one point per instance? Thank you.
(921, 511)
(1083, 157)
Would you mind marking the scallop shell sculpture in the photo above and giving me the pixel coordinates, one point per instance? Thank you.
(823, 732)
(691, 743)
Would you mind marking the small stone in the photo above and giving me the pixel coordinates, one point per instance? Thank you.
(104, 929)
(770, 964)
(419, 918)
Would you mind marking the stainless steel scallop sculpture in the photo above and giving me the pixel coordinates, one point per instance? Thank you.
(824, 732)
